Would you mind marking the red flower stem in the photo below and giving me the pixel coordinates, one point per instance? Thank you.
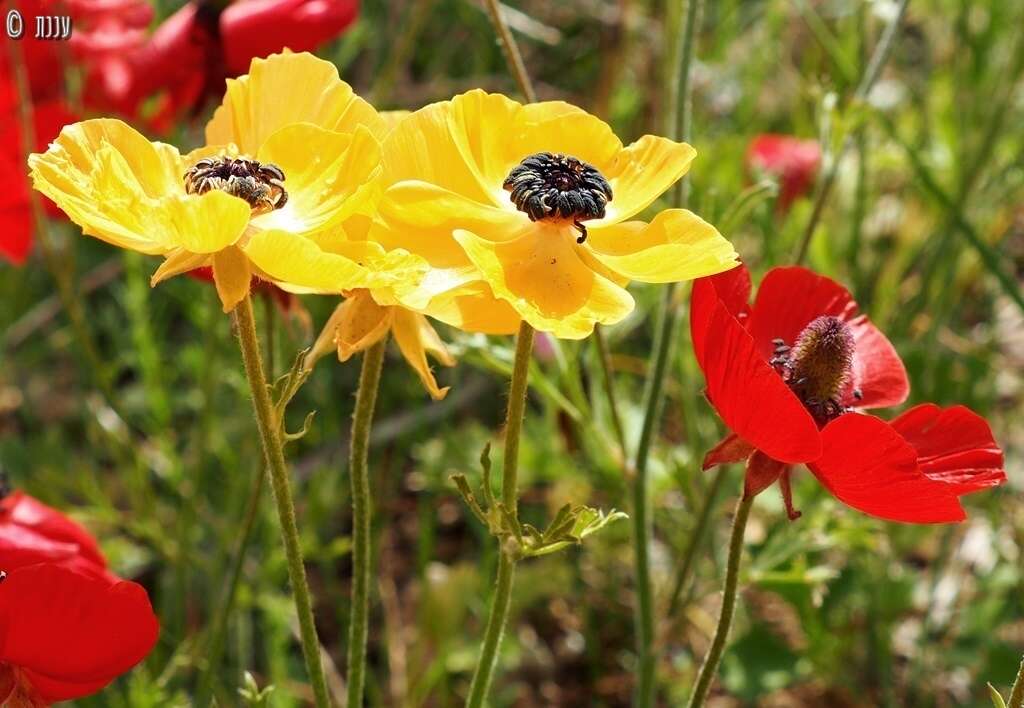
(732, 573)
(273, 450)
(362, 420)
(867, 82)
(1017, 694)
(502, 597)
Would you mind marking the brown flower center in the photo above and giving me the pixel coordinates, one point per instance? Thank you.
(260, 184)
(818, 366)
(549, 185)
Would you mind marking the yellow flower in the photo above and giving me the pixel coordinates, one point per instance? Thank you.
(359, 322)
(292, 153)
(526, 212)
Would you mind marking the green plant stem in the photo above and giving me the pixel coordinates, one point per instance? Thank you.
(502, 597)
(362, 421)
(690, 554)
(513, 57)
(273, 450)
(1017, 693)
(732, 573)
(867, 82)
(609, 387)
(654, 395)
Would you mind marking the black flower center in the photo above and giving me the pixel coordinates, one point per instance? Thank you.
(260, 184)
(818, 366)
(549, 185)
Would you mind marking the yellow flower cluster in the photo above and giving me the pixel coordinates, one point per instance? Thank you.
(479, 211)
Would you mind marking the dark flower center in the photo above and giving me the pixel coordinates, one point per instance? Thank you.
(549, 185)
(260, 184)
(818, 366)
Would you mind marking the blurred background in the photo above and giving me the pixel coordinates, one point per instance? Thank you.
(127, 407)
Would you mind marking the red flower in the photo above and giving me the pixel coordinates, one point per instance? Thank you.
(789, 376)
(31, 532)
(68, 626)
(188, 57)
(49, 115)
(65, 633)
(792, 161)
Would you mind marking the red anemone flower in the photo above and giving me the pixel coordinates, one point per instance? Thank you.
(790, 375)
(32, 532)
(66, 633)
(188, 57)
(794, 162)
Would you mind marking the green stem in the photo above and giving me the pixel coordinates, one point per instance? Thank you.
(362, 420)
(512, 55)
(690, 555)
(867, 82)
(732, 573)
(502, 597)
(609, 388)
(1017, 694)
(273, 450)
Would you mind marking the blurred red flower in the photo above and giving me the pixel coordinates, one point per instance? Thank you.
(66, 633)
(49, 113)
(792, 161)
(68, 626)
(789, 376)
(188, 57)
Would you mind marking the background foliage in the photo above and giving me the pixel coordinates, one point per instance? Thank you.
(838, 610)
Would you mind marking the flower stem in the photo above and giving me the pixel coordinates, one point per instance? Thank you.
(609, 388)
(509, 497)
(867, 82)
(1017, 693)
(690, 555)
(273, 450)
(511, 50)
(362, 420)
(732, 573)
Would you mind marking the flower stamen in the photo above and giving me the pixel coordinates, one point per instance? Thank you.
(818, 366)
(260, 184)
(550, 186)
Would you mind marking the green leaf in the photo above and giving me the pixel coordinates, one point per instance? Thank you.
(997, 700)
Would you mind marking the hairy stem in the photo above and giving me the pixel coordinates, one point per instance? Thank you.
(732, 574)
(1017, 694)
(273, 450)
(362, 420)
(502, 597)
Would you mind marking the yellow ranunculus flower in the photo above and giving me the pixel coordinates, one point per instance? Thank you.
(525, 212)
(292, 153)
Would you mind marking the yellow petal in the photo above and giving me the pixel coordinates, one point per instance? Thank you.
(472, 307)
(393, 118)
(545, 281)
(677, 245)
(415, 338)
(361, 324)
(110, 181)
(641, 173)
(232, 276)
(284, 89)
(328, 176)
(200, 224)
(326, 341)
(177, 262)
(298, 264)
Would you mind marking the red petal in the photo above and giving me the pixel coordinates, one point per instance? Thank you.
(732, 288)
(751, 397)
(259, 28)
(27, 512)
(15, 213)
(793, 161)
(76, 631)
(732, 448)
(954, 445)
(866, 464)
(762, 471)
(789, 298)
